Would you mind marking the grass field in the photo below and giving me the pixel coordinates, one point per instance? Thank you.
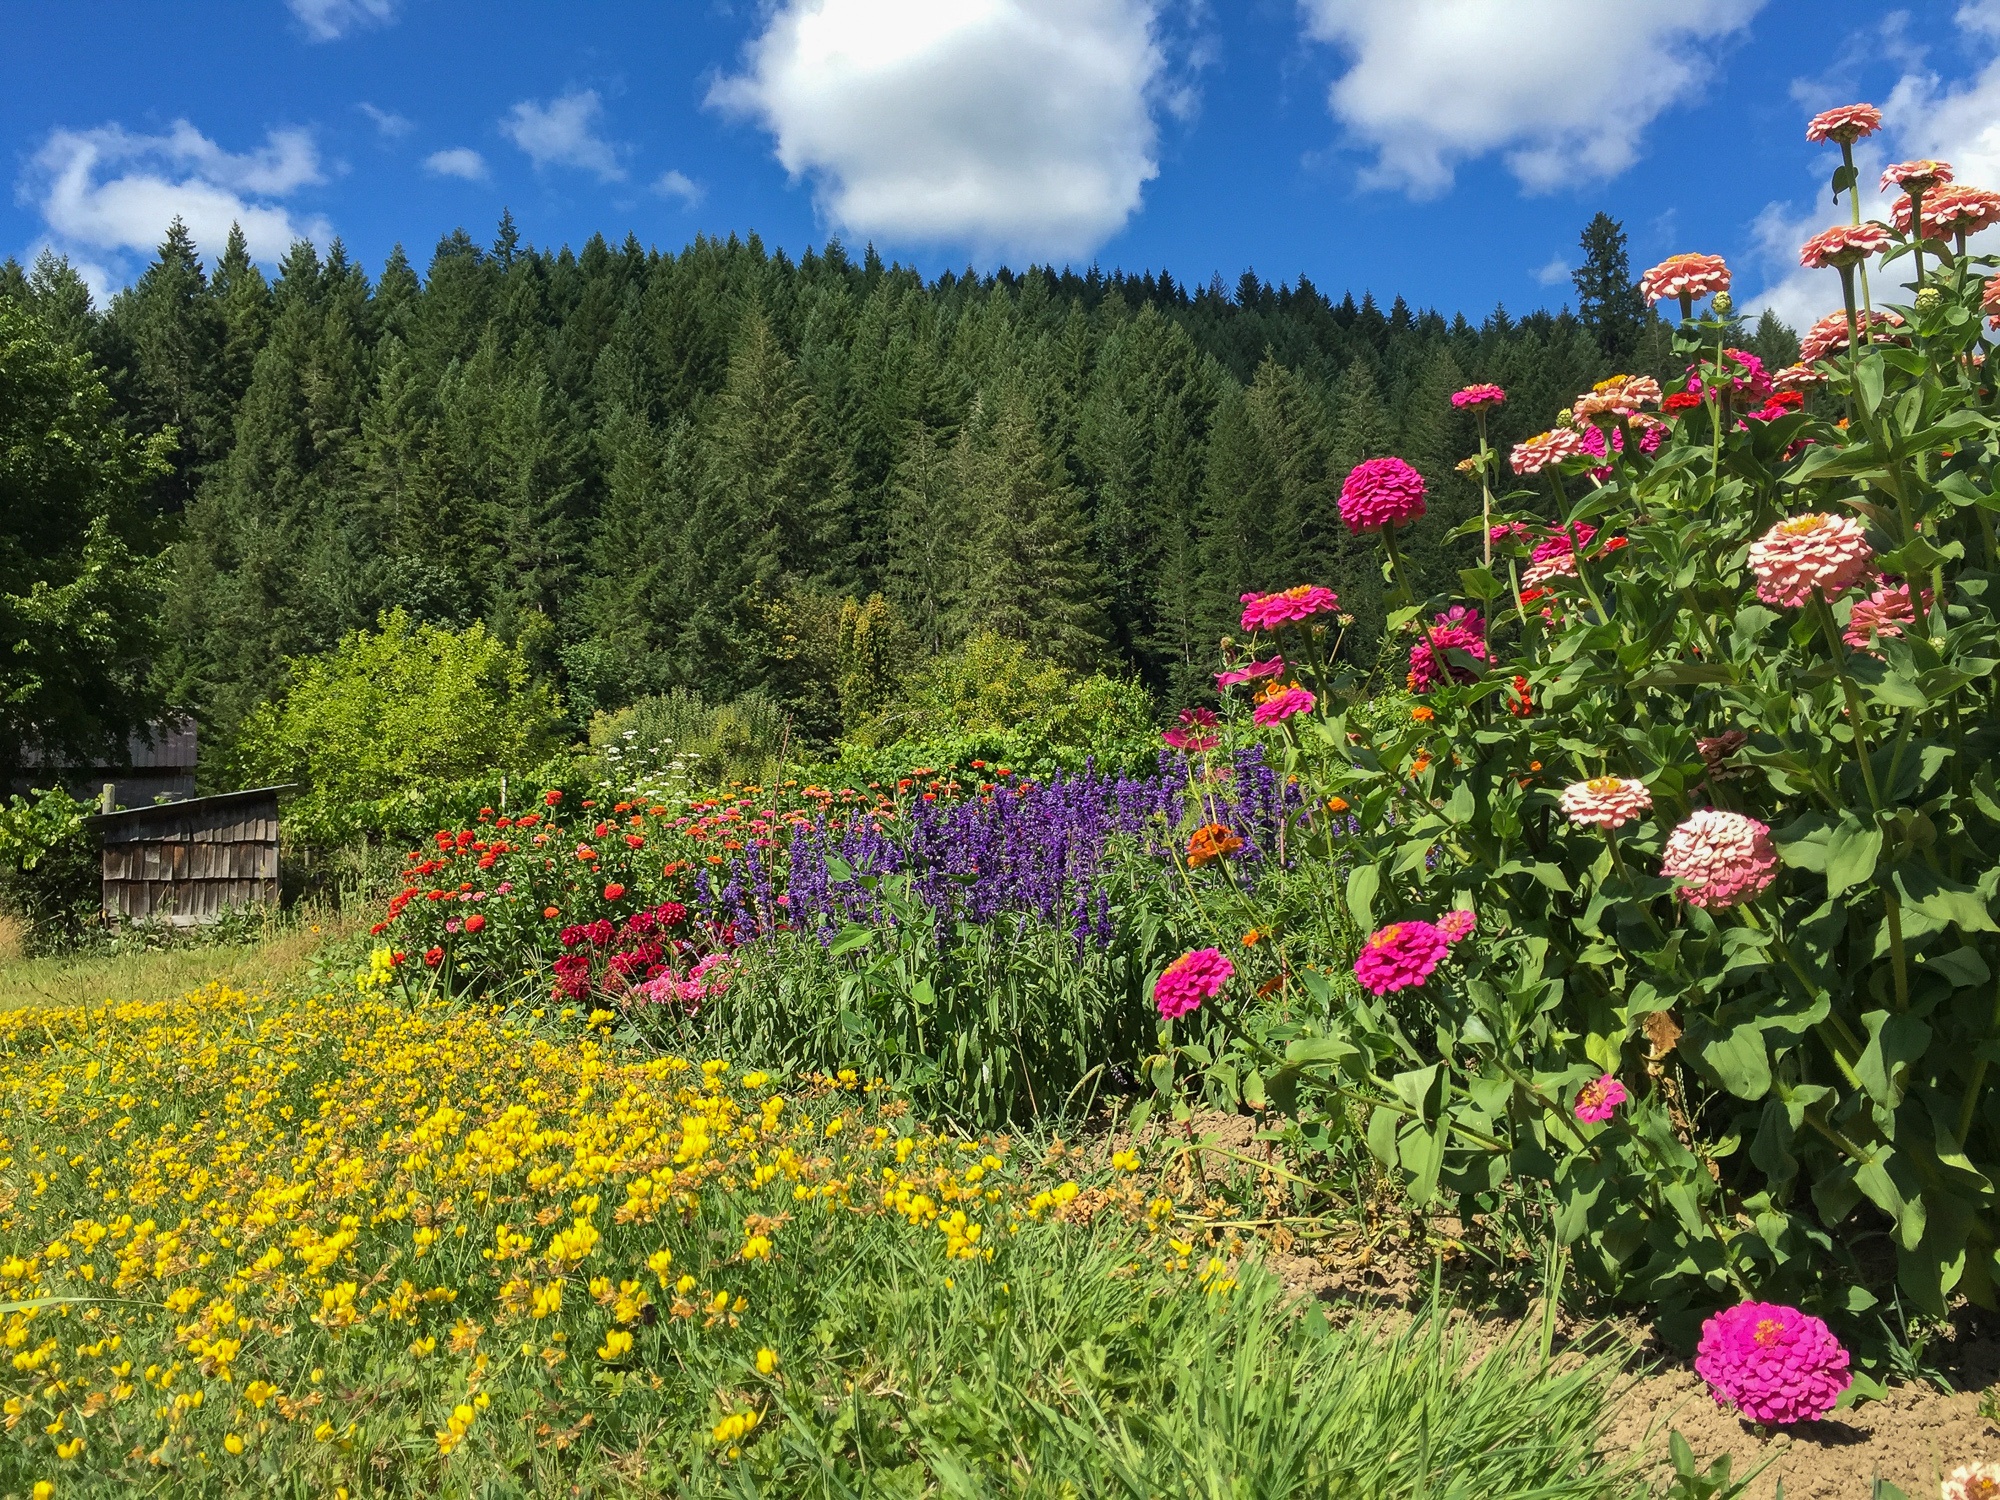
(154, 974)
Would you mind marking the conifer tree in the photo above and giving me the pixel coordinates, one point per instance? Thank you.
(1607, 296)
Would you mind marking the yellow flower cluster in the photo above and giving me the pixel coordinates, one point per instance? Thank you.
(213, 1213)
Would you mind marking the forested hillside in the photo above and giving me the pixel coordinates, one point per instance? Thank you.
(677, 470)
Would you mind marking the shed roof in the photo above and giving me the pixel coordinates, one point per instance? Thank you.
(177, 810)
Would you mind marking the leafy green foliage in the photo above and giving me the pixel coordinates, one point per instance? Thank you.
(77, 601)
(49, 874)
(390, 711)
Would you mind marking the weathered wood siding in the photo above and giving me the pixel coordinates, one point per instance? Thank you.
(187, 862)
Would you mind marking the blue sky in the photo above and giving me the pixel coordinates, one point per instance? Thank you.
(1447, 150)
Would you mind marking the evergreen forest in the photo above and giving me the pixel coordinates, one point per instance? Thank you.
(652, 471)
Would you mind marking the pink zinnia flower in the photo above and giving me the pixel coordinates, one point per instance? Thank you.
(1843, 245)
(1916, 176)
(1508, 531)
(1458, 629)
(1381, 492)
(1989, 301)
(1195, 732)
(1400, 957)
(1545, 448)
(1287, 607)
(1774, 1364)
(1829, 334)
(1971, 1482)
(1478, 396)
(1281, 706)
(1257, 669)
(1457, 925)
(1191, 979)
(1881, 616)
(1808, 554)
(1844, 125)
(1951, 210)
(1555, 557)
(1723, 857)
(1606, 801)
(1689, 276)
(1796, 377)
(1598, 1100)
(1620, 396)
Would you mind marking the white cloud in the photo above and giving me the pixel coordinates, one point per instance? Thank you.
(327, 20)
(563, 133)
(110, 190)
(677, 184)
(1551, 274)
(1922, 116)
(460, 161)
(1009, 125)
(387, 121)
(1564, 89)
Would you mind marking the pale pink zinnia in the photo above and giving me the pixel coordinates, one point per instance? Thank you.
(1256, 671)
(1606, 801)
(1843, 245)
(1989, 301)
(1556, 556)
(1287, 607)
(1381, 492)
(1951, 210)
(1457, 925)
(1598, 1100)
(1545, 448)
(1620, 396)
(1881, 616)
(1478, 396)
(1281, 706)
(1774, 1364)
(1916, 176)
(1845, 124)
(1807, 554)
(1971, 1482)
(1723, 857)
(1691, 276)
(1829, 334)
(1400, 957)
(1796, 377)
(1191, 979)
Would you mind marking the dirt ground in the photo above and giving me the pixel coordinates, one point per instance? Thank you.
(1911, 1439)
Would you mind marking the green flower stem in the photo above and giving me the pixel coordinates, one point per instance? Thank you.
(1485, 488)
(1843, 1041)
(1396, 568)
(1969, 1110)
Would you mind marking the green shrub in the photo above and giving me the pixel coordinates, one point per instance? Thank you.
(392, 712)
(673, 744)
(49, 869)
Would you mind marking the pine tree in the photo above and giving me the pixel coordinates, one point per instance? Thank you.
(1607, 297)
(170, 325)
(1030, 577)
(927, 538)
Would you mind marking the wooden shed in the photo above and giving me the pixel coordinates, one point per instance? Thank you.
(185, 863)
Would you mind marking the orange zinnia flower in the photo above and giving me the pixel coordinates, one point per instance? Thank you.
(1211, 841)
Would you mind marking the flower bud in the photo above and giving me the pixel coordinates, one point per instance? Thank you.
(1929, 299)
(1724, 304)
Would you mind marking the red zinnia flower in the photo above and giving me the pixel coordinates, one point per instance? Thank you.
(473, 923)
(613, 891)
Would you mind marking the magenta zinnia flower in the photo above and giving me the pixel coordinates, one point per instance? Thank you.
(1458, 629)
(1689, 276)
(1479, 396)
(1381, 492)
(1723, 858)
(1257, 669)
(1400, 957)
(1281, 706)
(1606, 801)
(1809, 553)
(1195, 732)
(1774, 1364)
(1598, 1100)
(1844, 124)
(1191, 979)
(1843, 245)
(1287, 607)
(1555, 557)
